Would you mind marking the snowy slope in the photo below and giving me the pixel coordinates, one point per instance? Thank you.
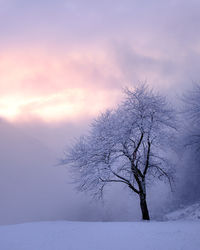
(191, 212)
(101, 236)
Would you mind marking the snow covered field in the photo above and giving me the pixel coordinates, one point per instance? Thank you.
(61, 235)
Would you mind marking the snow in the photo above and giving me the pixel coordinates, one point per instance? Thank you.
(191, 212)
(63, 235)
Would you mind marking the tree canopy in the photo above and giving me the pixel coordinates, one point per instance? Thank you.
(125, 145)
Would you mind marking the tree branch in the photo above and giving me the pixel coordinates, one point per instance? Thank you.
(169, 178)
(147, 159)
(138, 145)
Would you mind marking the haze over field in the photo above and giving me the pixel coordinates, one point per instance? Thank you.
(62, 62)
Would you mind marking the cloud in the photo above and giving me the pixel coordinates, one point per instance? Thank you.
(55, 87)
(71, 23)
(160, 37)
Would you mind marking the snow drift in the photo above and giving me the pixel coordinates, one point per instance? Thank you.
(191, 212)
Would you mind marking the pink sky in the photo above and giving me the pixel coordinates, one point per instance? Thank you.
(66, 60)
(54, 87)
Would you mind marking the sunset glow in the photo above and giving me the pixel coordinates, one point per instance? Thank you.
(68, 104)
(51, 87)
(70, 59)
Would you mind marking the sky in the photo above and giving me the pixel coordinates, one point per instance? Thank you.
(62, 62)
(66, 59)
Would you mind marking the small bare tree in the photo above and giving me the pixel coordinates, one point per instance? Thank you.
(191, 112)
(126, 145)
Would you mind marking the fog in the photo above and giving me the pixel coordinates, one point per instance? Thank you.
(64, 62)
(34, 187)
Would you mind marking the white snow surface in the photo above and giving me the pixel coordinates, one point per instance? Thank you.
(62, 235)
(191, 212)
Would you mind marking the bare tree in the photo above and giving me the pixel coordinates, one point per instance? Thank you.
(126, 145)
(191, 112)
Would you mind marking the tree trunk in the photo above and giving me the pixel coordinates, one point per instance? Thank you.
(143, 206)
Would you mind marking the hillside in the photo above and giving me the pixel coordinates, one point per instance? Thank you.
(191, 212)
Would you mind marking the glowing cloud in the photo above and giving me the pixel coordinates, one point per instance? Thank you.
(35, 85)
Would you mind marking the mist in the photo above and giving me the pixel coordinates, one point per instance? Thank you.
(64, 62)
(35, 188)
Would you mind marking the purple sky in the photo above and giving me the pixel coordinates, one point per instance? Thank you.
(64, 61)
(56, 54)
